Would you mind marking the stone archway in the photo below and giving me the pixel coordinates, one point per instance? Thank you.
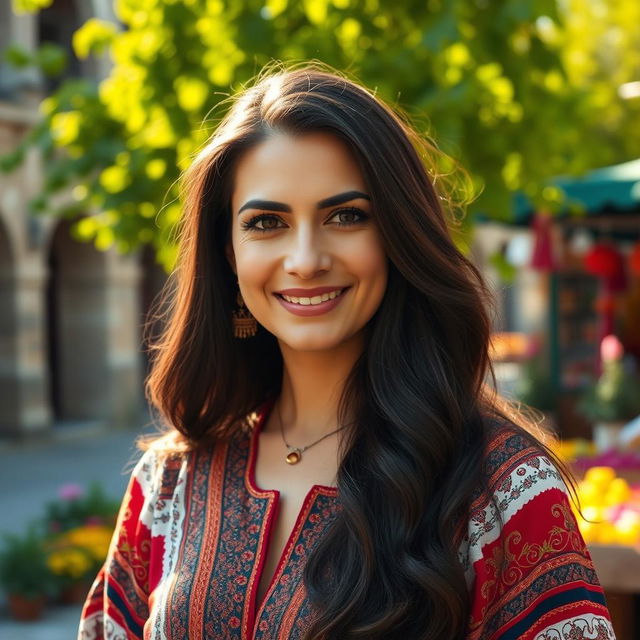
(77, 329)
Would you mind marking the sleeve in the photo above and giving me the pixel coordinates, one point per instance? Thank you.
(530, 573)
(117, 603)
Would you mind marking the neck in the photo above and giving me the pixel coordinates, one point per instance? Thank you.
(312, 385)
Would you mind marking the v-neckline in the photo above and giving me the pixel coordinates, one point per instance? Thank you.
(273, 495)
(250, 475)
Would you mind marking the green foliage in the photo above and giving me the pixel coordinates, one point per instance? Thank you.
(49, 58)
(17, 56)
(600, 45)
(75, 556)
(66, 545)
(498, 84)
(23, 565)
(614, 397)
(27, 6)
(505, 270)
(93, 37)
(92, 507)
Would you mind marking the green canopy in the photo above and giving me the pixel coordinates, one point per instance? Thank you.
(616, 188)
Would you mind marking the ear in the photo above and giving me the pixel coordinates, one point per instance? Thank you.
(231, 257)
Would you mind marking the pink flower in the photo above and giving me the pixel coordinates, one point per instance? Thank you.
(611, 348)
(70, 491)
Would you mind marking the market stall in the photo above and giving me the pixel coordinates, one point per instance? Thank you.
(569, 345)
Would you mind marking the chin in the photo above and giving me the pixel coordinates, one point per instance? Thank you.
(314, 342)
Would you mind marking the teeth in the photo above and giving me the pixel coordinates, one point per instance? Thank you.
(315, 300)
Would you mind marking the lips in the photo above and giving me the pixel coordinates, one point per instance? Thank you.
(312, 309)
(305, 300)
(309, 293)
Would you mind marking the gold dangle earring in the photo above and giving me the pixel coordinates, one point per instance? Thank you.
(244, 324)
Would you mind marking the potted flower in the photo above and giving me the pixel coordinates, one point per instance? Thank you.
(75, 556)
(614, 399)
(75, 507)
(24, 574)
(80, 525)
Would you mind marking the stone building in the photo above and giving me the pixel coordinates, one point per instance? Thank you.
(70, 316)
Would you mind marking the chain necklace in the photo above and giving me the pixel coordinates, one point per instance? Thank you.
(295, 454)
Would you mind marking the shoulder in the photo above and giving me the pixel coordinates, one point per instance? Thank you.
(523, 551)
(158, 472)
(517, 471)
(520, 485)
(514, 458)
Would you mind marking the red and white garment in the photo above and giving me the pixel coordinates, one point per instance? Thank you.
(193, 530)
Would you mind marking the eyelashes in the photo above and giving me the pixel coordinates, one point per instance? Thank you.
(251, 224)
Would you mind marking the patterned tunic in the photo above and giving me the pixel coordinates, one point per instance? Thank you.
(193, 531)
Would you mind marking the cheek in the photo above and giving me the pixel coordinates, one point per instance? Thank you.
(252, 263)
(369, 261)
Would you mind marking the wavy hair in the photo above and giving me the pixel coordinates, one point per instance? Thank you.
(388, 567)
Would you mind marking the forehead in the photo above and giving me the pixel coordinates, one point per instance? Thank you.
(289, 167)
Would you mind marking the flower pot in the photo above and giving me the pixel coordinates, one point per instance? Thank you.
(605, 435)
(25, 609)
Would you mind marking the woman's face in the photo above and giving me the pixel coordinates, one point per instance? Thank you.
(302, 221)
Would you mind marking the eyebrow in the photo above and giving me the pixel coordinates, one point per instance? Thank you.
(331, 201)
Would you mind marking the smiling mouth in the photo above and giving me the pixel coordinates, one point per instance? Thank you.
(310, 302)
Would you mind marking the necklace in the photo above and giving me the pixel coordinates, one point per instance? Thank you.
(295, 454)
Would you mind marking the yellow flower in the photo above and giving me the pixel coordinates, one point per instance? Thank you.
(77, 563)
(76, 552)
(600, 476)
(69, 562)
(56, 562)
(618, 492)
(94, 538)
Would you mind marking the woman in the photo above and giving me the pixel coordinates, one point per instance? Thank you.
(336, 466)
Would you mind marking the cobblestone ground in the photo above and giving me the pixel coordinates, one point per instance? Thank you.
(30, 475)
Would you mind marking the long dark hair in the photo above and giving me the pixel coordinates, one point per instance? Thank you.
(388, 567)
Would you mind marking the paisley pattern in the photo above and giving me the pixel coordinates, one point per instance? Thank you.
(193, 532)
(529, 570)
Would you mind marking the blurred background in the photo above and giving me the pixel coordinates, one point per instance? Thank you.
(103, 104)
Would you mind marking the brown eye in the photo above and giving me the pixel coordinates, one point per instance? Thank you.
(269, 222)
(262, 222)
(347, 216)
(350, 216)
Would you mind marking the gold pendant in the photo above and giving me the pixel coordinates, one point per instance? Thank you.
(293, 457)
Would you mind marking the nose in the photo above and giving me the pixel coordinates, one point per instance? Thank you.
(306, 256)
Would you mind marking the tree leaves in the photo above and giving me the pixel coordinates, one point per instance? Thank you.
(93, 38)
(510, 88)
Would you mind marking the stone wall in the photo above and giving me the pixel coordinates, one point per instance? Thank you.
(70, 316)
